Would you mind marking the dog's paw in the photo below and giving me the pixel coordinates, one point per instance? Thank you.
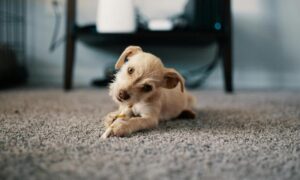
(120, 129)
(109, 119)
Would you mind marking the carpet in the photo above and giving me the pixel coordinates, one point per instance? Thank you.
(50, 134)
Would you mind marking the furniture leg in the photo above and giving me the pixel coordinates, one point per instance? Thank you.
(70, 44)
(226, 48)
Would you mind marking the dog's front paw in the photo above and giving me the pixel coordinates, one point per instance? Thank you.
(120, 128)
(109, 119)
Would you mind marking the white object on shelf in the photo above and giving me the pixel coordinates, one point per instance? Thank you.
(160, 25)
(116, 16)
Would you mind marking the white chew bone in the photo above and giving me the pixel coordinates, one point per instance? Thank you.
(106, 133)
(123, 116)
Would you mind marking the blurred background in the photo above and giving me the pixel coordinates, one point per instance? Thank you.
(265, 35)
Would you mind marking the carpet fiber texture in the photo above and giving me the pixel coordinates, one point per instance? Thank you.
(49, 134)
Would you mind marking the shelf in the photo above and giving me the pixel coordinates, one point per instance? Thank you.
(90, 36)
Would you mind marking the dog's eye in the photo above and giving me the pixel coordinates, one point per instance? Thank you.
(130, 70)
(147, 88)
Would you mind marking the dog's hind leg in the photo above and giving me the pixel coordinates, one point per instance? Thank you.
(191, 101)
(187, 114)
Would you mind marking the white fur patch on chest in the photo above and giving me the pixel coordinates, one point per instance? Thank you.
(141, 109)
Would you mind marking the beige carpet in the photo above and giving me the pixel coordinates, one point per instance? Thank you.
(49, 134)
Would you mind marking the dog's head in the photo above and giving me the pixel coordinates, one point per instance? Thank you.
(141, 75)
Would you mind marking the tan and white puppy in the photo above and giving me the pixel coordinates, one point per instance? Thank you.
(153, 92)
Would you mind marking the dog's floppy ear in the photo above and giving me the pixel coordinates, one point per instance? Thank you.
(171, 79)
(129, 51)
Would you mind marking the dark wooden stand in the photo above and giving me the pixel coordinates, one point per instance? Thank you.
(70, 44)
(89, 35)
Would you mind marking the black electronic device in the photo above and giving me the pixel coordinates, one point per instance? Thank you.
(205, 14)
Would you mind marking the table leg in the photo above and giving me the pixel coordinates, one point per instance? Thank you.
(70, 44)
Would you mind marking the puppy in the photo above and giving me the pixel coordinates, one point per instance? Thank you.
(153, 92)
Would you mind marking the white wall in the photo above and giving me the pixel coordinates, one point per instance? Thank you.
(266, 36)
(266, 46)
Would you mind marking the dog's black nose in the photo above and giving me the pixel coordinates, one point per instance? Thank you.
(123, 95)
